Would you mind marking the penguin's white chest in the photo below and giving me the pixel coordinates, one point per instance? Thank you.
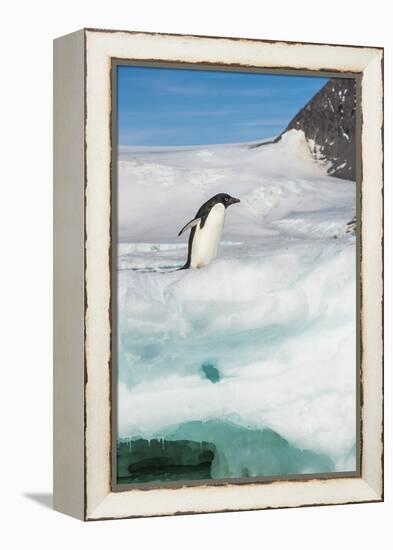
(207, 240)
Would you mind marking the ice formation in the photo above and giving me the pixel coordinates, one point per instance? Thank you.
(273, 317)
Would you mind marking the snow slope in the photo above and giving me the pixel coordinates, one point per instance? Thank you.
(274, 315)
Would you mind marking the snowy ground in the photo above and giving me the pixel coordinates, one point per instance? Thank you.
(273, 316)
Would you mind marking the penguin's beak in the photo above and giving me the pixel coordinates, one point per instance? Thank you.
(233, 200)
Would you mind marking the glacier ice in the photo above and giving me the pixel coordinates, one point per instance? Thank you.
(273, 318)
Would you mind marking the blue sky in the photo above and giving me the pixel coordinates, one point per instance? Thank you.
(166, 107)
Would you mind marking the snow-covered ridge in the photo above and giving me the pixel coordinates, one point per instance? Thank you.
(275, 182)
(137, 150)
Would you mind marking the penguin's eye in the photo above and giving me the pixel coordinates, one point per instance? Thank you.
(226, 199)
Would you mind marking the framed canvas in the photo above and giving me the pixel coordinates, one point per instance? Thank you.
(218, 330)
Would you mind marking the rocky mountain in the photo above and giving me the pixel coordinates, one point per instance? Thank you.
(328, 121)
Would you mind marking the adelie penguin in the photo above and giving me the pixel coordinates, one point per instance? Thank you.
(206, 229)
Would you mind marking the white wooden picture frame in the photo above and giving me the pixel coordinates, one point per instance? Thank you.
(82, 252)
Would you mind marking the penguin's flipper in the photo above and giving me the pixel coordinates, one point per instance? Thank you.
(189, 225)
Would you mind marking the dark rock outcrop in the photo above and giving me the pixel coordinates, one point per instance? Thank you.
(350, 228)
(328, 121)
(329, 124)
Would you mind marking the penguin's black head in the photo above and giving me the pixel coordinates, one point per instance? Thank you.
(224, 199)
